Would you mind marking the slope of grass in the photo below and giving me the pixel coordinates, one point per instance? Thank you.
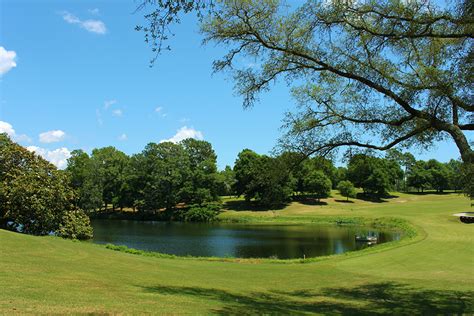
(432, 274)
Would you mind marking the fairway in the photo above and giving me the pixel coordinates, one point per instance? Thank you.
(429, 274)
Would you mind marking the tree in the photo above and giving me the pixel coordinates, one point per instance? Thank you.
(84, 180)
(346, 188)
(455, 174)
(109, 165)
(439, 175)
(374, 74)
(202, 186)
(35, 197)
(406, 160)
(317, 183)
(263, 178)
(419, 177)
(371, 174)
(245, 168)
(226, 181)
(166, 169)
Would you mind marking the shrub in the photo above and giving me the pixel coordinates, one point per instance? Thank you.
(202, 213)
(75, 225)
(346, 188)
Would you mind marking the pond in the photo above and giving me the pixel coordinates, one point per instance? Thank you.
(235, 240)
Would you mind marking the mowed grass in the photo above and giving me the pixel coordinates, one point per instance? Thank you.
(430, 274)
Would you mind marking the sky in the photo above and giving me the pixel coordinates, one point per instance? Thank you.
(76, 75)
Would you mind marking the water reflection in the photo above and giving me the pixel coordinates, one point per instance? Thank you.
(235, 240)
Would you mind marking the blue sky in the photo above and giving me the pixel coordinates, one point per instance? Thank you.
(75, 74)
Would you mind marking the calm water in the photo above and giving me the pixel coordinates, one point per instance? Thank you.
(234, 240)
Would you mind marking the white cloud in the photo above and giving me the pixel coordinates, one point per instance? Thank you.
(158, 109)
(7, 60)
(57, 157)
(94, 26)
(123, 137)
(117, 112)
(22, 138)
(183, 133)
(52, 136)
(7, 128)
(109, 103)
(94, 11)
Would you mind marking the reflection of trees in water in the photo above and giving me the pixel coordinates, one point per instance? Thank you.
(237, 240)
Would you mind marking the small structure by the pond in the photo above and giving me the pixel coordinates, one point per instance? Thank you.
(370, 239)
(466, 217)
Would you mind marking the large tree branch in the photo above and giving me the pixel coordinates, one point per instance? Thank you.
(327, 148)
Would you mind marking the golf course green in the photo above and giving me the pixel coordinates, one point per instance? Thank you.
(429, 273)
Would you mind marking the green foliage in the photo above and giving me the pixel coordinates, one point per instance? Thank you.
(203, 183)
(75, 224)
(202, 213)
(317, 183)
(226, 181)
(84, 180)
(374, 175)
(34, 195)
(346, 189)
(342, 58)
(109, 166)
(263, 178)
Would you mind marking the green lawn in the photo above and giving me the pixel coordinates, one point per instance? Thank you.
(430, 274)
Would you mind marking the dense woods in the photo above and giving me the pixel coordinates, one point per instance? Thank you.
(181, 181)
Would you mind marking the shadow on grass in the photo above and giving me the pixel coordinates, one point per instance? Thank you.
(375, 198)
(429, 192)
(369, 299)
(310, 201)
(242, 205)
(343, 201)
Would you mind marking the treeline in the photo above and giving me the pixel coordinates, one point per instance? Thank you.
(160, 177)
(181, 182)
(166, 175)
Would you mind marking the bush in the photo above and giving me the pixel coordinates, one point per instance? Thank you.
(346, 188)
(75, 225)
(202, 213)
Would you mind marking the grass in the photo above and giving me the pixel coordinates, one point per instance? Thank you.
(431, 273)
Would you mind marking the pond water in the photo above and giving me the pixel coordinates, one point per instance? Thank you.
(235, 240)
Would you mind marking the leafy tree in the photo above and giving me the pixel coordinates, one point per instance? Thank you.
(263, 178)
(439, 175)
(167, 171)
(371, 174)
(394, 71)
(203, 183)
(35, 197)
(346, 188)
(317, 183)
(84, 180)
(75, 225)
(340, 174)
(455, 174)
(109, 165)
(419, 177)
(246, 167)
(406, 160)
(226, 181)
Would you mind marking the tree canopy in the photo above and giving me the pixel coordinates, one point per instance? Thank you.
(370, 74)
(35, 197)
